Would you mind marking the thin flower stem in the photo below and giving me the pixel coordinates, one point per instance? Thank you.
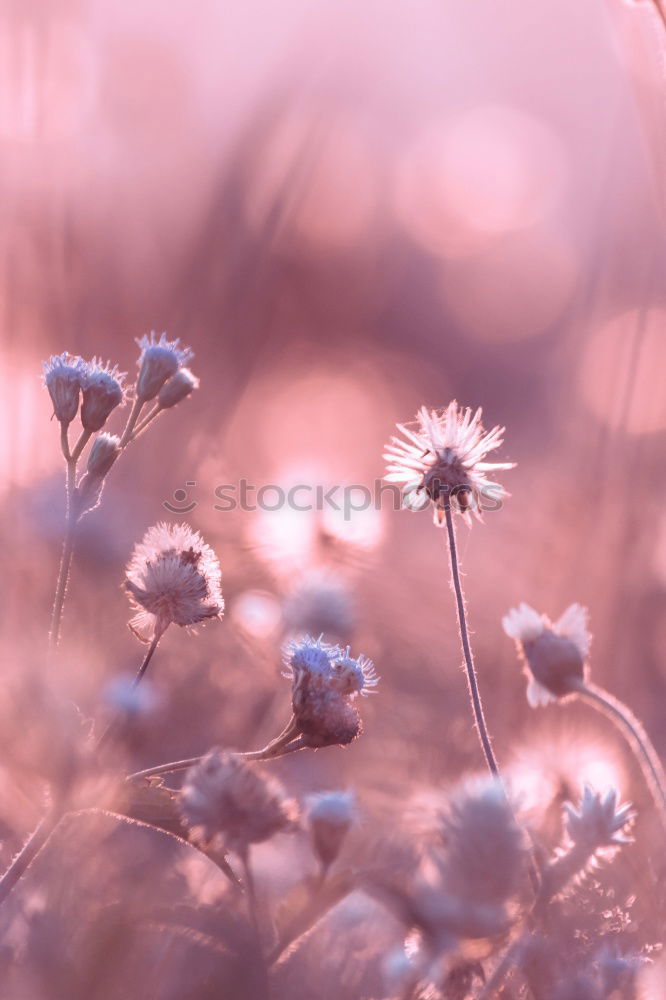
(104, 738)
(64, 441)
(146, 421)
(33, 845)
(63, 579)
(269, 752)
(637, 738)
(146, 660)
(472, 682)
(131, 422)
(251, 895)
(71, 459)
(80, 445)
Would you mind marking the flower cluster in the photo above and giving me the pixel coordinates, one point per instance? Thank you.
(325, 681)
(440, 459)
(173, 576)
(71, 380)
(554, 653)
(162, 372)
(225, 798)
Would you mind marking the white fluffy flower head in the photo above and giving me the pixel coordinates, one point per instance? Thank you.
(555, 652)
(173, 576)
(441, 458)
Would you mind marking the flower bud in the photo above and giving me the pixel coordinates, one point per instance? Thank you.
(330, 815)
(103, 454)
(63, 375)
(555, 653)
(177, 388)
(159, 361)
(102, 393)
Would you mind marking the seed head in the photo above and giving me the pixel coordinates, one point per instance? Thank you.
(555, 654)
(225, 798)
(441, 460)
(63, 376)
(173, 576)
(330, 816)
(599, 822)
(102, 393)
(177, 388)
(159, 361)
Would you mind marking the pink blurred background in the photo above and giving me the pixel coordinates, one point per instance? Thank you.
(347, 210)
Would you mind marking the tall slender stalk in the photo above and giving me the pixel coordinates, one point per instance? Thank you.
(635, 734)
(472, 681)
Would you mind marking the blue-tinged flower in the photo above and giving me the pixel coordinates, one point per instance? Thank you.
(325, 680)
(160, 359)
(63, 377)
(103, 391)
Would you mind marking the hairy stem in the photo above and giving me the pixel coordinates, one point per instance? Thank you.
(33, 845)
(63, 579)
(268, 753)
(131, 421)
(636, 736)
(472, 681)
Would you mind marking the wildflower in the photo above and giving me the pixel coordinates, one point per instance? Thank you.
(63, 376)
(159, 361)
(177, 388)
(443, 457)
(224, 797)
(555, 654)
(330, 816)
(325, 680)
(173, 576)
(102, 393)
(103, 454)
(598, 822)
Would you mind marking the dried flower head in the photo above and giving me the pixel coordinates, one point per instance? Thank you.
(599, 822)
(555, 653)
(103, 391)
(173, 576)
(225, 798)
(63, 377)
(441, 460)
(178, 387)
(330, 816)
(160, 359)
(325, 680)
